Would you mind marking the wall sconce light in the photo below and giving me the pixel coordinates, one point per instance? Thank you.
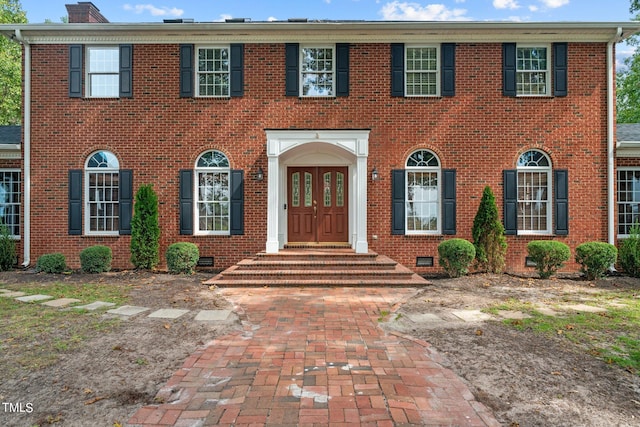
(259, 174)
(374, 174)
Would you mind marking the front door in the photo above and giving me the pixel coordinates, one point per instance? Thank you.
(317, 204)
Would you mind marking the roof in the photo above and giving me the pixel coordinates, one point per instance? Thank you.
(321, 31)
(628, 132)
(10, 134)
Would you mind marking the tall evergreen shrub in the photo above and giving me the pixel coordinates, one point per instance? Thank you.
(145, 230)
(488, 235)
(629, 255)
(7, 249)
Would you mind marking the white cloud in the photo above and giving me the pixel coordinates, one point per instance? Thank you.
(533, 8)
(553, 4)
(407, 11)
(153, 10)
(505, 4)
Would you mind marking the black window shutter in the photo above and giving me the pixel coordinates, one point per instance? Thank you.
(448, 53)
(397, 69)
(449, 201)
(237, 203)
(342, 69)
(397, 201)
(125, 204)
(560, 84)
(126, 71)
(186, 201)
(237, 70)
(75, 70)
(509, 69)
(561, 208)
(186, 70)
(510, 201)
(292, 55)
(75, 202)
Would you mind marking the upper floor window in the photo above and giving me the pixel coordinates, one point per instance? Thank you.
(10, 200)
(102, 186)
(422, 67)
(534, 193)
(317, 65)
(422, 193)
(532, 70)
(213, 193)
(103, 72)
(213, 71)
(108, 71)
(628, 199)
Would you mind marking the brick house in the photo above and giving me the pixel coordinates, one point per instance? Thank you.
(257, 135)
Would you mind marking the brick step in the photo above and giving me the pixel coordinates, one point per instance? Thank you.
(307, 254)
(412, 281)
(317, 264)
(235, 272)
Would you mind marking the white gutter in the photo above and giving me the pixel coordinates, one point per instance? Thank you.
(611, 105)
(26, 227)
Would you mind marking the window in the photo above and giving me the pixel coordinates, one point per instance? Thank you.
(422, 71)
(317, 71)
(534, 193)
(103, 72)
(102, 186)
(422, 201)
(213, 191)
(213, 71)
(532, 70)
(628, 199)
(10, 199)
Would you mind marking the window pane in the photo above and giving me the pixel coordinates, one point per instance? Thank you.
(104, 85)
(421, 71)
(628, 199)
(422, 201)
(533, 201)
(10, 201)
(531, 64)
(213, 72)
(317, 71)
(213, 201)
(103, 201)
(104, 60)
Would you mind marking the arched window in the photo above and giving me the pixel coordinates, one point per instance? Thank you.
(212, 175)
(422, 195)
(534, 193)
(102, 181)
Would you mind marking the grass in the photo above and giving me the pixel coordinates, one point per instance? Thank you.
(34, 336)
(613, 336)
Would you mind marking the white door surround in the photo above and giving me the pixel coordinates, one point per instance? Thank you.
(317, 148)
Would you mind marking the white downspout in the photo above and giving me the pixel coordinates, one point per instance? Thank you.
(26, 227)
(611, 105)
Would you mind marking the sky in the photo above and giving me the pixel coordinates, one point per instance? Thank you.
(369, 10)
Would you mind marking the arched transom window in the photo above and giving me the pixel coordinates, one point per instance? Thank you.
(422, 200)
(102, 179)
(534, 193)
(212, 193)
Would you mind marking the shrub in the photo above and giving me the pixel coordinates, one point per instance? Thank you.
(145, 231)
(456, 255)
(596, 258)
(51, 263)
(7, 249)
(548, 255)
(629, 255)
(182, 257)
(488, 235)
(95, 259)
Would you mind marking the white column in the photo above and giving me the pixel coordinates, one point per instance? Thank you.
(361, 245)
(273, 204)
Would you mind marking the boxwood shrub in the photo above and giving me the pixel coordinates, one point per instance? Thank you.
(629, 255)
(456, 255)
(596, 258)
(182, 257)
(95, 259)
(548, 255)
(51, 263)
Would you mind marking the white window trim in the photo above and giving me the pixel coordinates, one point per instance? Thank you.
(437, 72)
(88, 74)
(333, 69)
(431, 169)
(198, 72)
(622, 169)
(196, 196)
(13, 170)
(549, 171)
(548, 71)
(85, 195)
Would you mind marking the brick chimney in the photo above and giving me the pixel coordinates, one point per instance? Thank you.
(84, 12)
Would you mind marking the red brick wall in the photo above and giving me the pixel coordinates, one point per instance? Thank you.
(478, 132)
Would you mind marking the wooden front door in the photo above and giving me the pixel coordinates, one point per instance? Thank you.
(317, 204)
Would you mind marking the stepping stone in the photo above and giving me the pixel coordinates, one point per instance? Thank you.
(34, 298)
(584, 308)
(471, 315)
(212, 315)
(62, 302)
(424, 318)
(4, 291)
(543, 309)
(128, 310)
(168, 313)
(514, 315)
(95, 305)
(12, 294)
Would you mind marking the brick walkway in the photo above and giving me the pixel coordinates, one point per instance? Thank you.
(314, 356)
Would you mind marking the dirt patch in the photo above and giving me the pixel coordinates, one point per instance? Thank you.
(525, 378)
